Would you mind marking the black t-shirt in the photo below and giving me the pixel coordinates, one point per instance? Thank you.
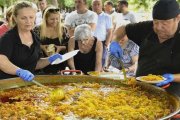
(64, 41)
(85, 62)
(18, 53)
(53, 69)
(155, 57)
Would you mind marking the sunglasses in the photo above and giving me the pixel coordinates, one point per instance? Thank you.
(54, 10)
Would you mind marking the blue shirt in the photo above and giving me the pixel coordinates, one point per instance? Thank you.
(104, 23)
(131, 49)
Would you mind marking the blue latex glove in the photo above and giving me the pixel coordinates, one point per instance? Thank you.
(169, 78)
(52, 58)
(25, 74)
(115, 49)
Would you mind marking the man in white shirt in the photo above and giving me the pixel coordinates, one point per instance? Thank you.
(104, 26)
(80, 16)
(42, 4)
(109, 9)
(122, 7)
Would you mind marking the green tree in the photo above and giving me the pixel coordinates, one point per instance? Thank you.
(69, 3)
(11, 2)
(145, 5)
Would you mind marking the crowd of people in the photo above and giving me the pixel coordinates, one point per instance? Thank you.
(30, 40)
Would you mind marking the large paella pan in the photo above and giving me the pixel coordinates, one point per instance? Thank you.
(84, 97)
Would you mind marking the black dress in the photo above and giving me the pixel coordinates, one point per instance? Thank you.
(53, 69)
(85, 62)
(18, 53)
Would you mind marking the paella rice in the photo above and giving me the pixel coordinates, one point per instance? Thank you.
(81, 101)
(151, 77)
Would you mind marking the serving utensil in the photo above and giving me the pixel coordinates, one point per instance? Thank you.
(55, 95)
(111, 57)
(38, 83)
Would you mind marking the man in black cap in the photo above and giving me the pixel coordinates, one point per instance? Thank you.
(159, 42)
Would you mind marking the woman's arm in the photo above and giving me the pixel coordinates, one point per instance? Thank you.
(99, 52)
(6, 66)
(42, 62)
(70, 32)
(71, 46)
(9, 68)
(134, 63)
(60, 48)
(44, 47)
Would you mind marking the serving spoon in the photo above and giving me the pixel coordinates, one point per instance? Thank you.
(111, 57)
(38, 83)
(55, 95)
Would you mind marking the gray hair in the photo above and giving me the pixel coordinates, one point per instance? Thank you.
(82, 32)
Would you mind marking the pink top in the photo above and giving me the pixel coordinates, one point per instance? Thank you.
(3, 29)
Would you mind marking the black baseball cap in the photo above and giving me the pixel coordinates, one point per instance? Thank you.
(165, 9)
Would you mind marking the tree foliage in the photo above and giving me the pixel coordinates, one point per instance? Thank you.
(11, 2)
(69, 3)
(135, 4)
(144, 5)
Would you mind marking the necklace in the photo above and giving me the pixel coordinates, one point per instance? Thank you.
(29, 42)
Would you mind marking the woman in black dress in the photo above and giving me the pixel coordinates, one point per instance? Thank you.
(20, 48)
(90, 56)
(52, 38)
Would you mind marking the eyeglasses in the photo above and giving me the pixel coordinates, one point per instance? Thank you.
(54, 10)
(84, 40)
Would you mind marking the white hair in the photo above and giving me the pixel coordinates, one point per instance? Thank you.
(82, 32)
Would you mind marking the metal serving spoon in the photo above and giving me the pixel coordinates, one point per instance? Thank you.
(55, 95)
(111, 57)
(38, 83)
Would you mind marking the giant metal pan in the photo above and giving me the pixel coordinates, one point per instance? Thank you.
(17, 82)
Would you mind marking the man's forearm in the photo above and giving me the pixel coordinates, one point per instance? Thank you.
(108, 38)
